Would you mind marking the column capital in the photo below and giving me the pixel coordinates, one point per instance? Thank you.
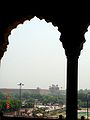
(72, 39)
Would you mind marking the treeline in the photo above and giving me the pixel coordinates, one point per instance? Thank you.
(84, 98)
(29, 100)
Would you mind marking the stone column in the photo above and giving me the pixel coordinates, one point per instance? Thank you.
(72, 41)
(72, 86)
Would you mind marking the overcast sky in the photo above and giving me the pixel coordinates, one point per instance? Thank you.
(35, 57)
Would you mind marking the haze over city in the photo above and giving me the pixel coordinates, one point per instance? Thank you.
(35, 57)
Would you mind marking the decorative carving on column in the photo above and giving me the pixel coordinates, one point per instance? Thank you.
(72, 41)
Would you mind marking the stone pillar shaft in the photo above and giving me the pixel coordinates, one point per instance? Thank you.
(72, 87)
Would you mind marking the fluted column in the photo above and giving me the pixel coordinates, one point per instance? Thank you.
(72, 40)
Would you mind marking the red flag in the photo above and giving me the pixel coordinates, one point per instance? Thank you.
(7, 105)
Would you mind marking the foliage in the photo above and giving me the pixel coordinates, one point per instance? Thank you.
(84, 98)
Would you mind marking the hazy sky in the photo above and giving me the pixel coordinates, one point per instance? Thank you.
(35, 57)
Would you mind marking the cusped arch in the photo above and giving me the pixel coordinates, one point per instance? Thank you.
(12, 23)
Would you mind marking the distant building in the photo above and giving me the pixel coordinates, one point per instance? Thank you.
(54, 89)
